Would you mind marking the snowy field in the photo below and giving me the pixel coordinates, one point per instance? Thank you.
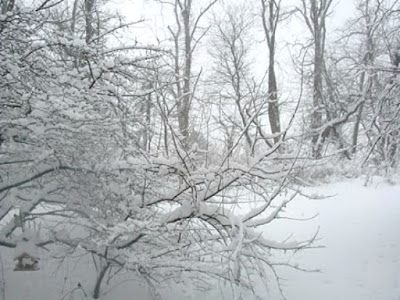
(359, 228)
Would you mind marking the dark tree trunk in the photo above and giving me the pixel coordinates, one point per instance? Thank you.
(364, 87)
(7, 5)
(315, 13)
(187, 93)
(270, 25)
(100, 277)
(89, 7)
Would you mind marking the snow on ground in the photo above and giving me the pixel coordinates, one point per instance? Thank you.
(359, 228)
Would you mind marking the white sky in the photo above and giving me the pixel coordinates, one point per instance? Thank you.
(158, 17)
(154, 13)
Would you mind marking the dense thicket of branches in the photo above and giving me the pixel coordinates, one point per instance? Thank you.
(144, 160)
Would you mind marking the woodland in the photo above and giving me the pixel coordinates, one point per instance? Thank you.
(166, 151)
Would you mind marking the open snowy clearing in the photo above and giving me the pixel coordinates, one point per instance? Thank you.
(358, 227)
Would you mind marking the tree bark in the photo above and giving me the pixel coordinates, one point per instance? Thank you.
(7, 5)
(100, 277)
(187, 93)
(364, 87)
(270, 26)
(315, 16)
(74, 15)
(89, 30)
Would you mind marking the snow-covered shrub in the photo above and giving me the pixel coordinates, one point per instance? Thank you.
(75, 158)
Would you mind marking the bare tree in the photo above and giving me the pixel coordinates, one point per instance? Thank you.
(89, 11)
(6, 6)
(315, 13)
(71, 155)
(270, 19)
(231, 45)
(187, 27)
(241, 98)
(372, 21)
(371, 35)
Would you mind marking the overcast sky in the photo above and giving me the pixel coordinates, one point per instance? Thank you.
(158, 17)
(135, 9)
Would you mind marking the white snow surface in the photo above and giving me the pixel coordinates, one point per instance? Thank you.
(359, 228)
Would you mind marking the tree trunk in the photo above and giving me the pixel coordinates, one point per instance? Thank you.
(315, 13)
(74, 15)
(270, 26)
(273, 106)
(100, 277)
(358, 119)
(365, 87)
(316, 116)
(187, 95)
(7, 5)
(89, 6)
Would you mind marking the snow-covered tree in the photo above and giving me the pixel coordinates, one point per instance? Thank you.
(76, 155)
